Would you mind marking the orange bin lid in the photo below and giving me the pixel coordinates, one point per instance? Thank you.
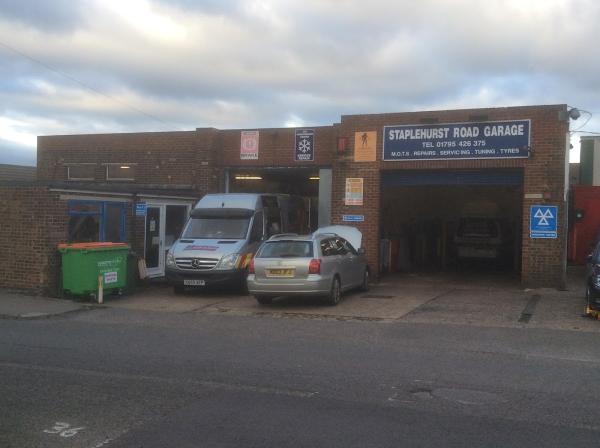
(91, 245)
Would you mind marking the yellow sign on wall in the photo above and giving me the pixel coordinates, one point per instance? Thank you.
(365, 146)
(354, 191)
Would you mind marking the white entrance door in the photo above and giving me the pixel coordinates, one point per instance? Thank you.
(155, 240)
(164, 223)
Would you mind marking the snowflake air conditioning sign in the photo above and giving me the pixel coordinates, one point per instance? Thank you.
(482, 140)
(305, 145)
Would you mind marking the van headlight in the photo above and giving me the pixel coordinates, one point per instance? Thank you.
(228, 262)
(170, 259)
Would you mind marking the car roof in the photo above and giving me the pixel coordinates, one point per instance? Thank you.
(296, 237)
(289, 237)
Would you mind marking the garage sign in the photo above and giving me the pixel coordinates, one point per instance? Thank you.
(249, 145)
(353, 218)
(482, 140)
(140, 209)
(305, 145)
(354, 191)
(542, 221)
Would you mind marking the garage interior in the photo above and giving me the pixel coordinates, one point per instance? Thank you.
(454, 221)
(307, 183)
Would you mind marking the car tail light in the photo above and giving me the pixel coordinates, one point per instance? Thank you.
(251, 267)
(314, 267)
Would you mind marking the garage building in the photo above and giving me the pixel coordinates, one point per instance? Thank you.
(449, 190)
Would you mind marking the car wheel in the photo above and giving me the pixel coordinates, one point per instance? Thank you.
(178, 289)
(264, 300)
(366, 281)
(335, 293)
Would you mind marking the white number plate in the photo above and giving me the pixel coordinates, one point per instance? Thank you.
(193, 283)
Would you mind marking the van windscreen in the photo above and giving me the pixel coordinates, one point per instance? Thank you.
(216, 228)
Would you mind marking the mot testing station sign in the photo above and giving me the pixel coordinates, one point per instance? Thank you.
(543, 221)
(249, 145)
(305, 145)
(482, 140)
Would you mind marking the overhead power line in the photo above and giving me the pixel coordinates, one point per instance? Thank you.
(88, 87)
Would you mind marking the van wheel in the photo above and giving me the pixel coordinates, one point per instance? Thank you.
(264, 300)
(178, 289)
(335, 294)
(366, 281)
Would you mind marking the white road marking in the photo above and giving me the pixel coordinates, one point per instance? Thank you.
(63, 429)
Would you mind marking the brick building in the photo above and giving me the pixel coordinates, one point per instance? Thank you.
(410, 202)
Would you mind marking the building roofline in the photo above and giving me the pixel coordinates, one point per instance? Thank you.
(477, 109)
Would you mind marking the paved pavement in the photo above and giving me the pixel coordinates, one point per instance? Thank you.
(482, 300)
(23, 306)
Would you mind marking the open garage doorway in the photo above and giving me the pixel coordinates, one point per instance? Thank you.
(313, 185)
(451, 221)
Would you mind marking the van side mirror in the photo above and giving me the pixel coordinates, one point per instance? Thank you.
(361, 251)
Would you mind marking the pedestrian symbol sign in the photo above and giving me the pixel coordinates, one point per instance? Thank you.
(543, 221)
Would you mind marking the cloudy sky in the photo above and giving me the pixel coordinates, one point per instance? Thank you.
(92, 66)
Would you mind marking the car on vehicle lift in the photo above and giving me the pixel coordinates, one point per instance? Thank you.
(326, 263)
(479, 238)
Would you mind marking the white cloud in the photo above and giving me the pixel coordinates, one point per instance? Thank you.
(234, 63)
(17, 131)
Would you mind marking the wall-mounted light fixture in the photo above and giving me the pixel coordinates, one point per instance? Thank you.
(124, 167)
(247, 177)
(574, 113)
(314, 178)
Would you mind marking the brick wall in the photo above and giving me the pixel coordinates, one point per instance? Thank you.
(197, 159)
(543, 174)
(32, 221)
(166, 159)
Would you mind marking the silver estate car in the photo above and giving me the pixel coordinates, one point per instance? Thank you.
(326, 263)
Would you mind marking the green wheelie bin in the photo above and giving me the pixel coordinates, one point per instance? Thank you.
(83, 263)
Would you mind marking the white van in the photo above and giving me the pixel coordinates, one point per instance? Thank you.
(223, 233)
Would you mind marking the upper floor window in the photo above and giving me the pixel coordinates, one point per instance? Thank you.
(120, 171)
(81, 171)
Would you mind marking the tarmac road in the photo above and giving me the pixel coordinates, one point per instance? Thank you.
(130, 378)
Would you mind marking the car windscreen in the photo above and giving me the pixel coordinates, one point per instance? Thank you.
(216, 228)
(286, 249)
(478, 227)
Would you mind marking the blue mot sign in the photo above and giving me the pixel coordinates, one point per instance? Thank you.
(481, 140)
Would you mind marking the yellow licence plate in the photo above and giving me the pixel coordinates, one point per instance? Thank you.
(280, 272)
